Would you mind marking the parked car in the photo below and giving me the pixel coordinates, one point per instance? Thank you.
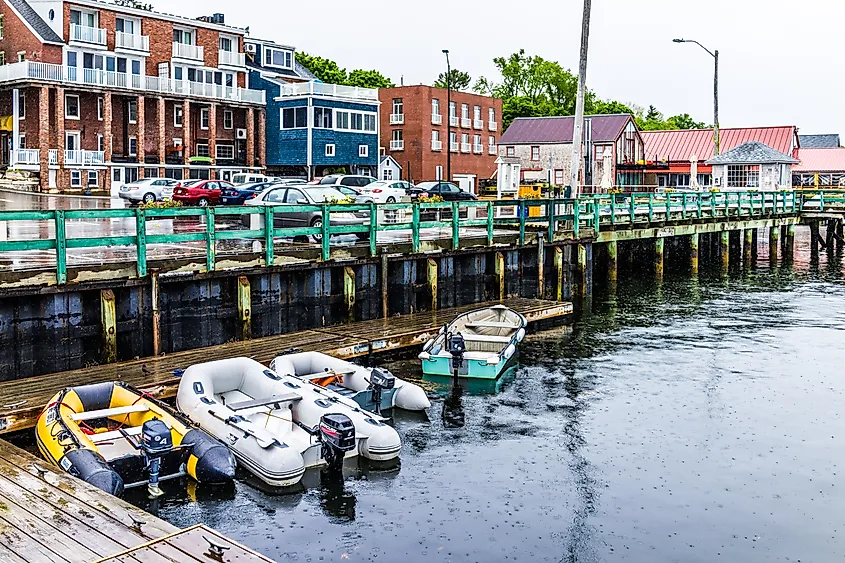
(354, 180)
(148, 190)
(447, 190)
(237, 195)
(309, 195)
(387, 191)
(200, 192)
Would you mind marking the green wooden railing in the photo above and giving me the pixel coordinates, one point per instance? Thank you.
(822, 201)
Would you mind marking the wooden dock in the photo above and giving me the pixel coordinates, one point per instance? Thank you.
(47, 516)
(22, 400)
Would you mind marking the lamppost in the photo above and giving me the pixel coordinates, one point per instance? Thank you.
(448, 117)
(715, 55)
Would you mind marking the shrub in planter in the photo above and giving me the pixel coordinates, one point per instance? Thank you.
(166, 204)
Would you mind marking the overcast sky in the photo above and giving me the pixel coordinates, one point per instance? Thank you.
(780, 62)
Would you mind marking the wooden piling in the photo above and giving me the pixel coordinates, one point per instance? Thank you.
(541, 261)
(432, 282)
(559, 272)
(815, 239)
(658, 257)
(840, 239)
(693, 253)
(829, 231)
(385, 303)
(349, 292)
(108, 319)
(789, 242)
(725, 249)
(774, 236)
(582, 269)
(747, 254)
(500, 274)
(612, 261)
(156, 313)
(244, 309)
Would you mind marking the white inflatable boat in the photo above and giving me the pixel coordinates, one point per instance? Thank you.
(374, 389)
(277, 425)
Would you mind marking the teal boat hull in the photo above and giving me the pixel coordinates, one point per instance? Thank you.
(472, 369)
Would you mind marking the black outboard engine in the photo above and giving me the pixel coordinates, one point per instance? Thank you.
(457, 348)
(380, 379)
(337, 435)
(156, 442)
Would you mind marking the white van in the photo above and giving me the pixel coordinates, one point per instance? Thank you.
(250, 178)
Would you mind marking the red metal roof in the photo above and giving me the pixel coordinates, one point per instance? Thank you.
(681, 145)
(820, 160)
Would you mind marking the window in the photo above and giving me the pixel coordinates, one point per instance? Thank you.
(22, 142)
(438, 173)
(435, 135)
(465, 111)
(226, 44)
(177, 141)
(396, 135)
(387, 174)
(465, 140)
(476, 140)
(133, 146)
(558, 177)
(294, 118)
(2, 26)
(100, 108)
(76, 178)
(342, 120)
(491, 141)
(22, 105)
(330, 150)
(183, 36)
(535, 154)
(277, 57)
(2, 55)
(398, 106)
(132, 111)
(369, 122)
(743, 175)
(492, 116)
(435, 106)
(202, 149)
(71, 106)
(453, 108)
(323, 118)
(126, 26)
(510, 151)
(136, 67)
(225, 152)
(356, 122)
(476, 113)
(228, 119)
(204, 118)
(363, 151)
(100, 142)
(21, 56)
(177, 115)
(453, 137)
(92, 178)
(51, 14)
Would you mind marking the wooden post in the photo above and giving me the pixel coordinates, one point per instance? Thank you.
(541, 261)
(829, 231)
(658, 257)
(582, 269)
(748, 256)
(500, 274)
(244, 309)
(108, 319)
(840, 240)
(349, 292)
(815, 240)
(693, 253)
(559, 271)
(432, 282)
(774, 235)
(612, 261)
(789, 242)
(156, 314)
(725, 249)
(385, 301)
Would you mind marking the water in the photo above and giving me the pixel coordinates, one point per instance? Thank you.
(696, 420)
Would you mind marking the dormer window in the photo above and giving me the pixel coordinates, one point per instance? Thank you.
(278, 57)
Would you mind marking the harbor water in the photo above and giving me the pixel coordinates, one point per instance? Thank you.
(691, 420)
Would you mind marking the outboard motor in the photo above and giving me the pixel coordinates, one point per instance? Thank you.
(380, 379)
(337, 435)
(457, 348)
(156, 442)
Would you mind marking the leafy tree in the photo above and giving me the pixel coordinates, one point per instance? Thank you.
(324, 69)
(459, 80)
(684, 121)
(368, 79)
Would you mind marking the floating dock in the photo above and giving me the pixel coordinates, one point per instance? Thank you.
(47, 516)
(22, 400)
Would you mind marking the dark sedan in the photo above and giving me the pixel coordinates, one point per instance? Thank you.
(238, 195)
(447, 190)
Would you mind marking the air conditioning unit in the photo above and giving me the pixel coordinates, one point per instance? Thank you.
(249, 47)
(241, 133)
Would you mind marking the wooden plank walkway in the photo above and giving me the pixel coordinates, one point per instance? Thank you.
(22, 400)
(47, 516)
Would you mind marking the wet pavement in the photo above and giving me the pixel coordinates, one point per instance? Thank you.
(693, 420)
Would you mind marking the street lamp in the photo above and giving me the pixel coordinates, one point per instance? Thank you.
(448, 117)
(715, 55)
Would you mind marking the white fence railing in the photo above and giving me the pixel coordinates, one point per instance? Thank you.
(83, 157)
(436, 119)
(397, 145)
(131, 41)
(437, 145)
(397, 118)
(85, 34)
(492, 125)
(333, 90)
(27, 156)
(466, 122)
(454, 121)
(491, 149)
(453, 147)
(478, 124)
(478, 149)
(231, 58)
(192, 52)
(58, 73)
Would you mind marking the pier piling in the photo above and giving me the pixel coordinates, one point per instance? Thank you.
(349, 292)
(500, 275)
(541, 261)
(108, 320)
(693, 253)
(658, 257)
(774, 235)
(431, 276)
(747, 248)
(559, 272)
(725, 249)
(245, 309)
(154, 298)
(612, 260)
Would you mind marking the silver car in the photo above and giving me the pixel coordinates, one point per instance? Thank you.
(148, 190)
(309, 195)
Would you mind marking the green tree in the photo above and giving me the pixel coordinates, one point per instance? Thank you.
(324, 69)
(684, 121)
(459, 80)
(368, 79)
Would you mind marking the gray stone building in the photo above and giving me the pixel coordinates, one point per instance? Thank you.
(752, 166)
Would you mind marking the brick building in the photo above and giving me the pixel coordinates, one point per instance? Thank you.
(415, 123)
(95, 95)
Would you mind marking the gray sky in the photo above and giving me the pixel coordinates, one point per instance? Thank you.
(779, 60)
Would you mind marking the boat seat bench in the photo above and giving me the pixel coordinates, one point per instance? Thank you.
(489, 324)
(485, 338)
(264, 401)
(105, 413)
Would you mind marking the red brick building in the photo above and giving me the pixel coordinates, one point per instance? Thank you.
(94, 95)
(415, 123)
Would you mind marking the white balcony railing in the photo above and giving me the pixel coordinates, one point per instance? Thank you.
(437, 145)
(478, 149)
(397, 118)
(454, 121)
(492, 125)
(131, 41)
(231, 58)
(27, 156)
(191, 52)
(491, 149)
(82, 157)
(332, 90)
(466, 122)
(85, 34)
(453, 147)
(31, 70)
(478, 124)
(53, 156)
(397, 145)
(466, 147)
(436, 119)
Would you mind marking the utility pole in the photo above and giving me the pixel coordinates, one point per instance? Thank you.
(574, 181)
(715, 55)
(448, 117)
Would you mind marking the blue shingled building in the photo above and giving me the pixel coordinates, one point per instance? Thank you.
(313, 128)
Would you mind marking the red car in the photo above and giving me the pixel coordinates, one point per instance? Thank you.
(200, 192)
